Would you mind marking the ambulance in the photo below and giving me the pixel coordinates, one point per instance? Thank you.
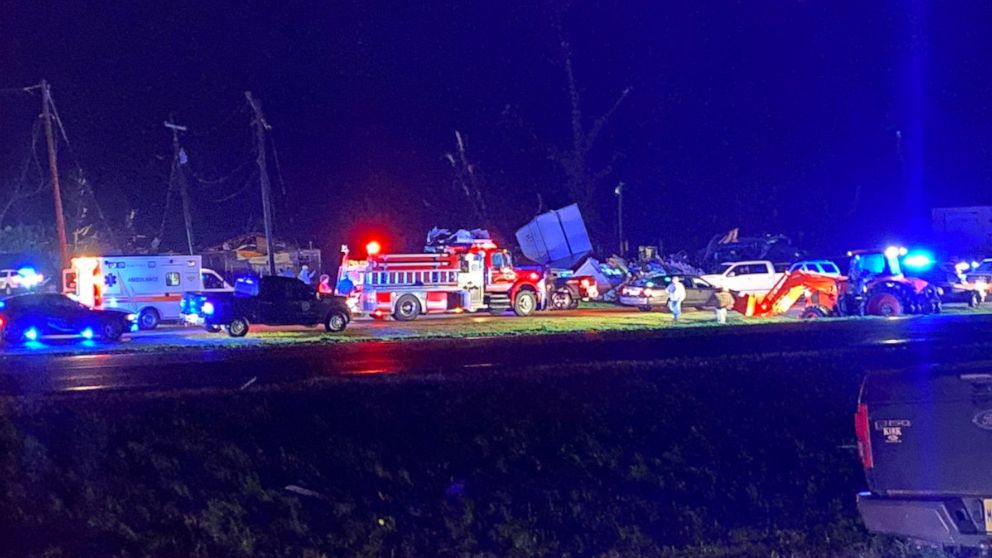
(150, 286)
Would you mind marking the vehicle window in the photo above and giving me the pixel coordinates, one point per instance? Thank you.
(985, 267)
(497, 260)
(172, 279)
(302, 292)
(211, 281)
(831, 268)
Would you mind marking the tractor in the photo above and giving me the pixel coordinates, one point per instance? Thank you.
(876, 286)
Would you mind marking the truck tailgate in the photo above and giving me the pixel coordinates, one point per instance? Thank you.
(930, 432)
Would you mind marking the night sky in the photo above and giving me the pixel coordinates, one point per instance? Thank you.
(770, 116)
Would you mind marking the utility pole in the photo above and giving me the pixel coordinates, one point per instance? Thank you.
(53, 165)
(178, 160)
(261, 126)
(619, 193)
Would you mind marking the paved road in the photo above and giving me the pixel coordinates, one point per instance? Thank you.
(931, 339)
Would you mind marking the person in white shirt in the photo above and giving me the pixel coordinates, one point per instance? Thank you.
(676, 294)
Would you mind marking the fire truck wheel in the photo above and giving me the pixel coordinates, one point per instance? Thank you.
(238, 327)
(524, 303)
(335, 322)
(407, 308)
(148, 318)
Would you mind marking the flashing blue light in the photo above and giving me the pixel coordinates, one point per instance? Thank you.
(134, 328)
(2, 304)
(918, 260)
(31, 334)
(87, 333)
(207, 308)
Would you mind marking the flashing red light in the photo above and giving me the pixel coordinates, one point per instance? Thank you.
(584, 283)
(862, 431)
(373, 248)
(534, 276)
(1, 322)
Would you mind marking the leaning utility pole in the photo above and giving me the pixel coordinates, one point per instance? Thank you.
(178, 160)
(263, 177)
(53, 165)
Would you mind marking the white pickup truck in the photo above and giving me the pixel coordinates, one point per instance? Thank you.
(754, 277)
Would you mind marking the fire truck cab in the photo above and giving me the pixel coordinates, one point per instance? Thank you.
(468, 276)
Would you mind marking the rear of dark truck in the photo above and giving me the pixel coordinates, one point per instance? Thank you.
(925, 439)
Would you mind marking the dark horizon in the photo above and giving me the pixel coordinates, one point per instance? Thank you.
(835, 124)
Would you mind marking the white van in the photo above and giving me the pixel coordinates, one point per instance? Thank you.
(150, 286)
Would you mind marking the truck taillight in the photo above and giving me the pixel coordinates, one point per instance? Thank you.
(863, 433)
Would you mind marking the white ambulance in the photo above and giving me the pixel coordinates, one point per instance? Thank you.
(150, 286)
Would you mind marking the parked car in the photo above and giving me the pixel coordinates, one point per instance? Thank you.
(30, 317)
(753, 277)
(980, 274)
(820, 267)
(953, 287)
(648, 293)
(268, 301)
(924, 437)
(19, 280)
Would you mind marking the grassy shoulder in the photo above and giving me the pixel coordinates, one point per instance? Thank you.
(600, 319)
(720, 458)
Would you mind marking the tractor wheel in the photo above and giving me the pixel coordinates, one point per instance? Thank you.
(525, 303)
(407, 308)
(335, 322)
(148, 319)
(238, 327)
(975, 300)
(884, 304)
(813, 313)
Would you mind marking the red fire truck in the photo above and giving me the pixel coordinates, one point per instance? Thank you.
(467, 275)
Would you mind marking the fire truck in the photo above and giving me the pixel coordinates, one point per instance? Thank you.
(464, 273)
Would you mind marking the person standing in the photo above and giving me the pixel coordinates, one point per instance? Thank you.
(306, 275)
(722, 302)
(676, 294)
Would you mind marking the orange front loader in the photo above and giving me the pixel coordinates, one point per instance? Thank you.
(820, 290)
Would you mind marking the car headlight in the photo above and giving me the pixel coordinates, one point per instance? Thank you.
(131, 317)
(207, 308)
(940, 291)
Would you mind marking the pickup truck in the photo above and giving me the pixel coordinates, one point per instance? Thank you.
(925, 437)
(752, 277)
(267, 301)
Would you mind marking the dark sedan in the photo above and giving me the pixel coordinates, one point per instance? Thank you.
(33, 316)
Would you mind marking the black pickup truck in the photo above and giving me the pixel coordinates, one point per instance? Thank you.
(267, 301)
(925, 439)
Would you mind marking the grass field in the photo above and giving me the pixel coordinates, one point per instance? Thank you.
(716, 458)
(602, 319)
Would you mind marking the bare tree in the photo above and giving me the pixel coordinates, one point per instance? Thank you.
(25, 185)
(582, 179)
(467, 180)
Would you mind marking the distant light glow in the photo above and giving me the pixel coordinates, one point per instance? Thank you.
(373, 248)
(31, 334)
(975, 265)
(961, 267)
(918, 260)
(87, 333)
(29, 278)
(892, 252)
